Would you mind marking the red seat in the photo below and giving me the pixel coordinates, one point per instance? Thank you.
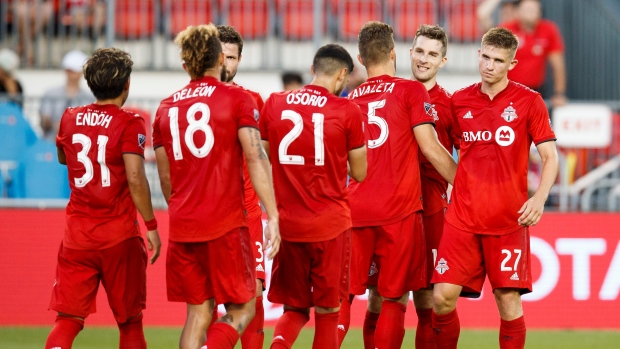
(408, 15)
(249, 17)
(462, 22)
(184, 13)
(297, 18)
(353, 14)
(134, 18)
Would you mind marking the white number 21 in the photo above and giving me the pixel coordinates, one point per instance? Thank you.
(298, 126)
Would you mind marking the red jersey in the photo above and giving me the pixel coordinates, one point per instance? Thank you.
(434, 187)
(100, 213)
(534, 49)
(252, 204)
(198, 127)
(491, 180)
(310, 133)
(391, 190)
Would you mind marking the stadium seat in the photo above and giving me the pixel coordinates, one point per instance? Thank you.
(297, 18)
(461, 21)
(408, 15)
(184, 13)
(44, 177)
(353, 14)
(15, 136)
(249, 17)
(135, 19)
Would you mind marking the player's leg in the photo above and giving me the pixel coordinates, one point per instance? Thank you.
(459, 271)
(253, 337)
(290, 286)
(400, 254)
(327, 274)
(507, 260)
(73, 295)
(123, 275)
(346, 299)
(344, 317)
(373, 309)
(196, 324)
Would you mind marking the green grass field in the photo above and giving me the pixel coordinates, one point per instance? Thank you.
(167, 337)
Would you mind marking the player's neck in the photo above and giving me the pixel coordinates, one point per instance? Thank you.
(386, 68)
(493, 90)
(429, 84)
(328, 84)
(214, 72)
(118, 101)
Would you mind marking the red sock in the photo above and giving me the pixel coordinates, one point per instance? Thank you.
(64, 332)
(325, 331)
(390, 326)
(424, 335)
(253, 337)
(287, 329)
(447, 329)
(221, 336)
(370, 324)
(132, 334)
(344, 319)
(512, 334)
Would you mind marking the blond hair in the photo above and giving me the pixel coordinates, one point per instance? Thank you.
(200, 48)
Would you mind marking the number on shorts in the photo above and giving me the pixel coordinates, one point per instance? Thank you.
(82, 157)
(379, 121)
(194, 125)
(434, 250)
(298, 126)
(508, 256)
(260, 251)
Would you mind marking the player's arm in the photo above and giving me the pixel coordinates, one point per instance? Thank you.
(532, 210)
(163, 169)
(62, 158)
(141, 196)
(435, 152)
(260, 175)
(556, 60)
(357, 163)
(484, 13)
(266, 147)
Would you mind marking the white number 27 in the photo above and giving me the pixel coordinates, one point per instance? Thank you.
(508, 256)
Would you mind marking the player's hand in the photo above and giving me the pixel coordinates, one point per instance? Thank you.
(154, 244)
(531, 211)
(272, 238)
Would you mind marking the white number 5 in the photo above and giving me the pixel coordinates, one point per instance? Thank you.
(376, 120)
(508, 256)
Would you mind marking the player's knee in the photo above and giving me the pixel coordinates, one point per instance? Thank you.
(374, 300)
(443, 301)
(507, 297)
(423, 299)
(259, 287)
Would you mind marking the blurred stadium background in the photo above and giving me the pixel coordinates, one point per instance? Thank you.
(576, 247)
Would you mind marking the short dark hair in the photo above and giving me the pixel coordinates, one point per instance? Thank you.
(433, 32)
(292, 77)
(375, 41)
(200, 48)
(107, 72)
(331, 58)
(501, 38)
(229, 35)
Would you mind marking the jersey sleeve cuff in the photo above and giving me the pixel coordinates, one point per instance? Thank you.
(250, 126)
(546, 140)
(423, 123)
(131, 152)
(357, 147)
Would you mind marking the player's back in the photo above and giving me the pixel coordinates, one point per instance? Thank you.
(94, 138)
(198, 127)
(310, 133)
(391, 190)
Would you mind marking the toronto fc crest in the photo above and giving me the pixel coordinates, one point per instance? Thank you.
(442, 266)
(509, 113)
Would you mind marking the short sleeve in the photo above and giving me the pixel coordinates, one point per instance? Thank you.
(539, 123)
(263, 121)
(419, 104)
(60, 135)
(455, 129)
(259, 101)
(556, 43)
(247, 113)
(134, 137)
(157, 141)
(355, 128)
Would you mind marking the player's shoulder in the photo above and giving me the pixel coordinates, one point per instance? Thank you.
(465, 92)
(442, 94)
(522, 90)
(407, 84)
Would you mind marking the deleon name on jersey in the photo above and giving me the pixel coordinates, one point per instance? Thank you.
(93, 119)
(372, 88)
(200, 91)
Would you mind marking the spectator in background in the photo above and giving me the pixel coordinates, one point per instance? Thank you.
(539, 41)
(57, 99)
(488, 17)
(32, 17)
(10, 88)
(292, 81)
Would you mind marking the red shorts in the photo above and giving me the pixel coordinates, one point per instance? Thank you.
(222, 269)
(398, 249)
(465, 259)
(121, 270)
(433, 229)
(255, 226)
(308, 274)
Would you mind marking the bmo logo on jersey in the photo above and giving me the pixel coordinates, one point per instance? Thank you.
(504, 136)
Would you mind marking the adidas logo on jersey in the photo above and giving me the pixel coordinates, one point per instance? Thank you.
(260, 268)
(468, 115)
(515, 277)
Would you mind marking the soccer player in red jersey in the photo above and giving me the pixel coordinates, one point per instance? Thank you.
(200, 135)
(253, 336)
(486, 230)
(311, 134)
(386, 209)
(103, 148)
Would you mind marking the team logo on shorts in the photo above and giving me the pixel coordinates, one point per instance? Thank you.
(373, 269)
(509, 114)
(141, 140)
(442, 266)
